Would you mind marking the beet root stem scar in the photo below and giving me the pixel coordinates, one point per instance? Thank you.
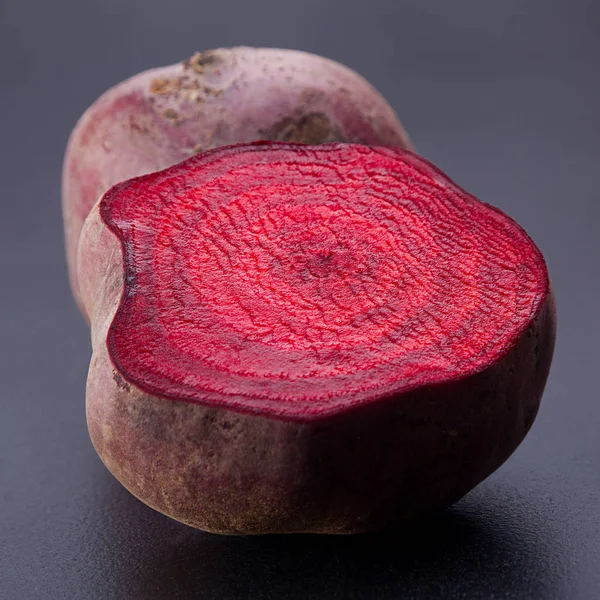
(297, 282)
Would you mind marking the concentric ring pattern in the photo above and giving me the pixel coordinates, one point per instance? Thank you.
(300, 280)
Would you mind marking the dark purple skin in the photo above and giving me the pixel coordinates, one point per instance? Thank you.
(361, 470)
(218, 97)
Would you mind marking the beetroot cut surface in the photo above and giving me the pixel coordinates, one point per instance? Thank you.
(296, 281)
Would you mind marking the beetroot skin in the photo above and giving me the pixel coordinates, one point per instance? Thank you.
(292, 338)
(218, 97)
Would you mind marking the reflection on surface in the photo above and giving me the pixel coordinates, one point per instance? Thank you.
(492, 544)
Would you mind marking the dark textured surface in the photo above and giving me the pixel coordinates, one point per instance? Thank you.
(503, 97)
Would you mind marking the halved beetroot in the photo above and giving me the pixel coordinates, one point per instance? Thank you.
(294, 338)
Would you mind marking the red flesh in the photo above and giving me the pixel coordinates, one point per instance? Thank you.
(299, 281)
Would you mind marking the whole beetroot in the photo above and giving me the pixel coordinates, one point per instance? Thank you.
(217, 97)
(293, 338)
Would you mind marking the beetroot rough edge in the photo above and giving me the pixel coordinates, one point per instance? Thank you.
(295, 338)
(218, 97)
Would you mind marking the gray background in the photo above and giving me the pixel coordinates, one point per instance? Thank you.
(502, 95)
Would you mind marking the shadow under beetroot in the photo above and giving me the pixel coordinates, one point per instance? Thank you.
(488, 546)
